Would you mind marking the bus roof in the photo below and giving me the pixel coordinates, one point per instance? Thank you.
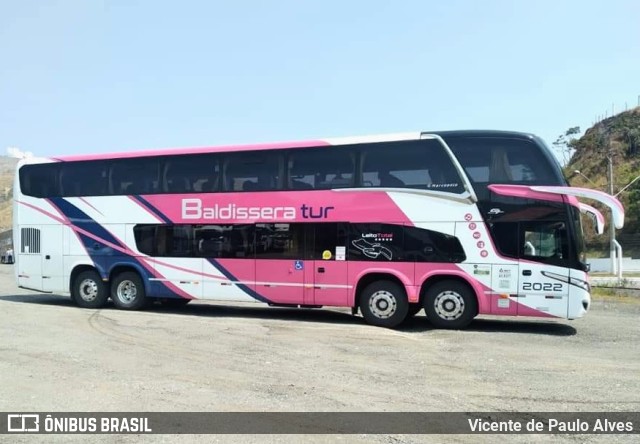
(287, 145)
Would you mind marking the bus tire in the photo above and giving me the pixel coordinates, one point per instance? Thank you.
(127, 291)
(384, 304)
(88, 290)
(414, 309)
(450, 304)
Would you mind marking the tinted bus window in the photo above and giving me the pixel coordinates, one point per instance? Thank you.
(505, 236)
(176, 241)
(376, 242)
(545, 242)
(40, 180)
(135, 176)
(326, 239)
(145, 236)
(208, 241)
(280, 241)
(321, 169)
(421, 245)
(191, 174)
(224, 241)
(253, 171)
(539, 241)
(420, 164)
(84, 178)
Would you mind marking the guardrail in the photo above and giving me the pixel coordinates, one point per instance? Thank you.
(632, 283)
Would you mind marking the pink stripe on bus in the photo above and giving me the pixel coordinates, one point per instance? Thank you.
(89, 204)
(524, 192)
(45, 212)
(145, 209)
(175, 267)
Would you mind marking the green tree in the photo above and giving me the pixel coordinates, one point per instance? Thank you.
(566, 143)
(632, 137)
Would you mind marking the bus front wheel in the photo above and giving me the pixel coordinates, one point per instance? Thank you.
(384, 303)
(89, 291)
(127, 291)
(450, 304)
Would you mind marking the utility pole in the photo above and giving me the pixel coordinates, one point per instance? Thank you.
(607, 150)
(612, 228)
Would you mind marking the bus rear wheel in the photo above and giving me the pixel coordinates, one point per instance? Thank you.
(88, 290)
(127, 291)
(384, 303)
(450, 304)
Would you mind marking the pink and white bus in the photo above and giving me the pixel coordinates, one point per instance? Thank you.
(459, 223)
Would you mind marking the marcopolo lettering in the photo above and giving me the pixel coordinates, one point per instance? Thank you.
(195, 209)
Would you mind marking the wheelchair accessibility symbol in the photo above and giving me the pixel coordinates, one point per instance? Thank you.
(298, 265)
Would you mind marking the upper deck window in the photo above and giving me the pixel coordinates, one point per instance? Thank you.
(420, 164)
(260, 171)
(84, 179)
(40, 180)
(322, 168)
(191, 174)
(134, 176)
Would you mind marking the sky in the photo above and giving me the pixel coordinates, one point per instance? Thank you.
(124, 75)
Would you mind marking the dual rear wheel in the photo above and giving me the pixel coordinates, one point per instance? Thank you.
(448, 304)
(126, 291)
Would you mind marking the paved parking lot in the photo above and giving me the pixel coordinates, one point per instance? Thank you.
(218, 357)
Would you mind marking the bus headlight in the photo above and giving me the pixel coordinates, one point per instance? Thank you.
(568, 280)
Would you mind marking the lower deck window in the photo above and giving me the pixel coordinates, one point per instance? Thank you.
(311, 241)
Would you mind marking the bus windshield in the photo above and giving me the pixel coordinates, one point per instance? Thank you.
(504, 160)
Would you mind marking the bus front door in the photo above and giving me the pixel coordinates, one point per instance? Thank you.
(542, 292)
(543, 288)
(330, 274)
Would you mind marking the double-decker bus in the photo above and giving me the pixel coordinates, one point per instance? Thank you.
(459, 223)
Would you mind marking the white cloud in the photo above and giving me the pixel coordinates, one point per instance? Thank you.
(16, 152)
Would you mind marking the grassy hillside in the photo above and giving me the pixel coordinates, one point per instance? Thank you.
(7, 168)
(617, 137)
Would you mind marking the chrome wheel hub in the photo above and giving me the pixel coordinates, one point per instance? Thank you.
(449, 305)
(126, 291)
(383, 304)
(88, 290)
